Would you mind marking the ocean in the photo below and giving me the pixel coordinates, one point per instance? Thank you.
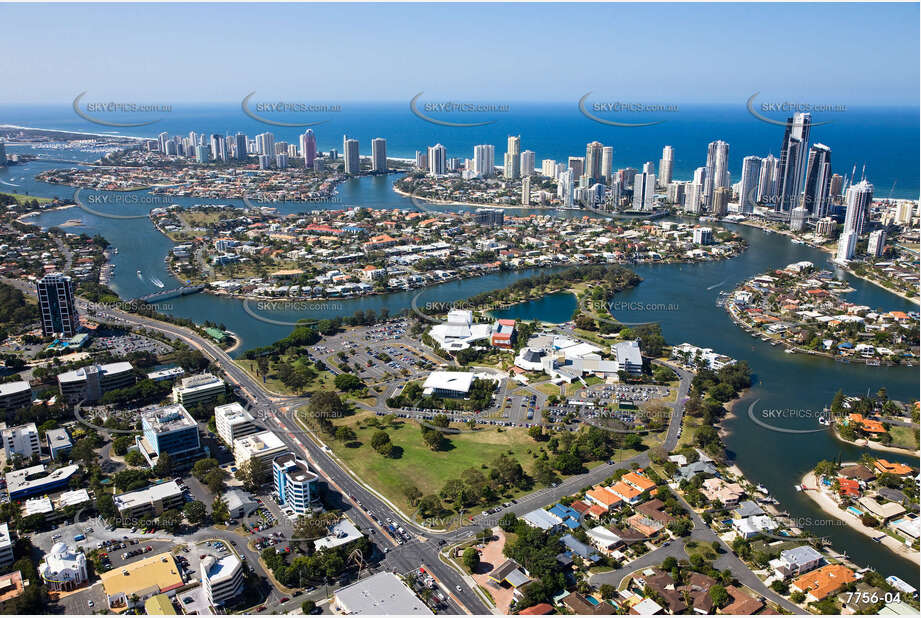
(884, 140)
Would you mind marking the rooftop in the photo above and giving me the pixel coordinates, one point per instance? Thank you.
(158, 571)
(382, 593)
(168, 418)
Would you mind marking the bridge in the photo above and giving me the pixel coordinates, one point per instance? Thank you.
(184, 290)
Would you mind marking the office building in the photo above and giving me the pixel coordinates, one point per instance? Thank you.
(768, 181)
(240, 150)
(437, 159)
(484, 160)
(548, 168)
(798, 218)
(693, 194)
(218, 150)
(665, 166)
(644, 187)
(876, 243)
(233, 421)
(528, 163)
(748, 189)
(56, 302)
(59, 442)
(576, 165)
(295, 484)
(170, 429)
(817, 181)
(526, 191)
(904, 213)
(15, 395)
(512, 164)
(847, 244)
(36, 480)
(835, 187)
(222, 578)
(150, 501)
(628, 356)
(351, 157)
(265, 162)
(826, 227)
(132, 584)
(607, 164)
(494, 217)
(593, 169)
(858, 200)
(22, 440)
(281, 161)
(675, 192)
(197, 389)
(448, 383)
(90, 383)
(422, 159)
(717, 171)
(63, 569)
(703, 236)
(792, 153)
(720, 202)
(264, 446)
(564, 187)
(265, 144)
(308, 148)
(6, 546)
(378, 154)
(381, 594)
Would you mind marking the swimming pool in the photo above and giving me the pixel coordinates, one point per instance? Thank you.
(855, 512)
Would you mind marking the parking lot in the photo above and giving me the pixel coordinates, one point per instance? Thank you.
(122, 344)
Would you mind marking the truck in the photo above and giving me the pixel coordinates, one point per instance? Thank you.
(79, 537)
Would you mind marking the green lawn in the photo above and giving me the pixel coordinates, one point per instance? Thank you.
(906, 437)
(20, 198)
(322, 382)
(414, 463)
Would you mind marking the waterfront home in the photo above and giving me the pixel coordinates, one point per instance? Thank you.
(822, 582)
(727, 494)
(795, 561)
(751, 527)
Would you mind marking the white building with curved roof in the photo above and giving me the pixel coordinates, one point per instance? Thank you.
(64, 568)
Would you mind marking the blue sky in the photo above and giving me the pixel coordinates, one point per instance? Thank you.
(825, 53)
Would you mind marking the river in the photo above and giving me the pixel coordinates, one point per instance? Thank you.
(680, 297)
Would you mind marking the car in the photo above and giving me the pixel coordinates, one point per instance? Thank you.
(188, 600)
(284, 600)
(458, 588)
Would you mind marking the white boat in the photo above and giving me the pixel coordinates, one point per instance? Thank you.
(762, 489)
(797, 488)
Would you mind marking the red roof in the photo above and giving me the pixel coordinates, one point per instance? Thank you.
(540, 609)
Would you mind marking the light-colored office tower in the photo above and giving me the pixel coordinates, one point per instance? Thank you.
(876, 243)
(202, 154)
(750, 182)
(644, 188)
(218, 151)
(692, 198)
(484, 160)
(281, 161)
(378, 154)
(526, 191)
(717, 170)
(649, 167)
(720, 202)
(798, 218)
(607, 164)
(308, 145)
(565, 188)
(767, 181)
(438, 160)
(577, 165)
(593, 170)
(351, 157)
(665, 166)
(422, 160)
(512, 163)
(265, 144)
(792, 160)
(858, 200)
(817, 181)
(904, 213)
(675, 192)
(846, 246)
(548, 168)
(615, 193)
(528, 163)
(281, 147)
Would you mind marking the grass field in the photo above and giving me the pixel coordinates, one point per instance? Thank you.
(413, 463)
(20, 198)
(323, 381)
(905, 437)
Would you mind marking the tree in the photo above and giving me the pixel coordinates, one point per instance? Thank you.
(220, 514)
(412, 494)
(607, 591)
(308, 606)
(432, 438)
(345, 434)
(719, 595)
(380, 442)
(471, 559)
(508, 522)
(170, 520)
(195, 512)
(347, 382)
(215, 480)
(536, 433)
(253, 473)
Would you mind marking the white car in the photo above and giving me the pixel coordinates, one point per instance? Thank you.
(89, 603)
(458, 588)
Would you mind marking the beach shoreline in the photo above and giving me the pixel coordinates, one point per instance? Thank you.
(809, 482)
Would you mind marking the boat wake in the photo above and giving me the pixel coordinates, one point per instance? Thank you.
(157, 282)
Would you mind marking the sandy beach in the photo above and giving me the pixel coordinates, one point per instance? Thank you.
(828, 505)
(877, 446)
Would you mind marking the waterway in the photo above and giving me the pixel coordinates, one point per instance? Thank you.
(680, 297)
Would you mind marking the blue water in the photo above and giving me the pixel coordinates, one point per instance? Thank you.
(883, 139)
(554, 308)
